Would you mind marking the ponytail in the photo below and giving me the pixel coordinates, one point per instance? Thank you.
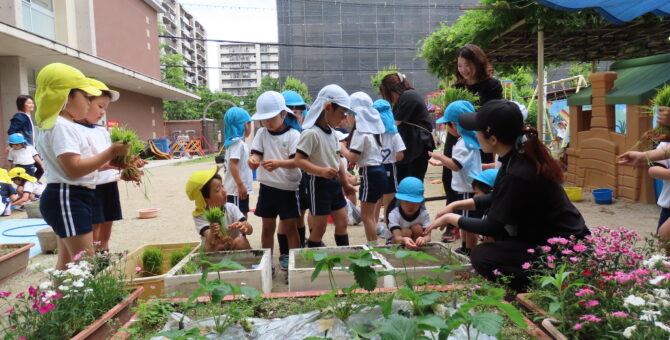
(537, 153)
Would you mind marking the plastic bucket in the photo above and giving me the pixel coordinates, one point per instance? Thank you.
(574, 193)
(602, 196)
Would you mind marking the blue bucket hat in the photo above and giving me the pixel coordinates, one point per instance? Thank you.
(16, 138)
(293, 98)
(384, 108)
(452, 113)
(487, 177)
(235, 119)
(410, 189)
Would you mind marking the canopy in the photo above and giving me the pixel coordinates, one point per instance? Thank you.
(615, 11)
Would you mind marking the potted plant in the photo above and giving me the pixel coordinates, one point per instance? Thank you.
(13, 258)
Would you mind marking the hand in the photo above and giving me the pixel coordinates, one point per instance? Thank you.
(663, 117)
(215, 228)
(348, 189)
(434, 162)
(438, 111)
(328, 173)
(420, 241)
(409, 243)
(448, 209)
(119, 149)
(270, 164)
(242, 192)
(253, 163)
(632, 158)
(243, 227)
(441, 223)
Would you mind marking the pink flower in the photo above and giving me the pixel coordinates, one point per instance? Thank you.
(152, 287)
(32, 291)
(77, 256)
(590, 318)
(551, 258)
(551, 265)
(5, 294)
(566, 251)
(496, 272)
(525, 265)
(577, 326)
(10, 310)
(20, 294)
(584, 291)
(546, 248)
(531, 251)
(45, 308)
(574, 259)
(555, 240)
(23, 337)
(619, 314)
(138, 268)
(592, 303)
(579, 248)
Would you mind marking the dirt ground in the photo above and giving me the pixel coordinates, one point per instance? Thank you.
(175, 224)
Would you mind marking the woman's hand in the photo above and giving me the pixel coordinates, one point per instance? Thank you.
(446, 210)
(442, 222)
(632, 158)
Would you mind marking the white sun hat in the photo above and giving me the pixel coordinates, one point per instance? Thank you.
(329, 94)
(270, 104)
(368, 119)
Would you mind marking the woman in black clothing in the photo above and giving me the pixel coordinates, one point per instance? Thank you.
(411, 116)
(528, 204)
(473, 73)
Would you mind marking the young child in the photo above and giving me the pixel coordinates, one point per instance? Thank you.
(272, 153)
(409, 218)
(63, 96)
(464, 163)
(7, 193)
(661, 170)
(317, 155)
(23, 155)
(238, 174)
(366, 151)
(207, 190)
(482, 184)
(107, 207)
(27, 187)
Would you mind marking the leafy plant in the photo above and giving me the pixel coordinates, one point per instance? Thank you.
(179, 254)
(215, 215)
(376, 80)
(298, 86)
(127, 136)
(152, 261)
(660, 133)
(451, 95)
(154, 314)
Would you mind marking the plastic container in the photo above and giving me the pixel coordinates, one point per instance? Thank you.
(162, 144)
(602, 196)
(148, 213)
(574, 193)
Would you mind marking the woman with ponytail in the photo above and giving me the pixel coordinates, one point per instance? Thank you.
(528, 204)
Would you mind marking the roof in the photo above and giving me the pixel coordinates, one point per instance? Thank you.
(617, 12)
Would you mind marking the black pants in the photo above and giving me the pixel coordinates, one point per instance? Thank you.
(415, 168)
(505, 256)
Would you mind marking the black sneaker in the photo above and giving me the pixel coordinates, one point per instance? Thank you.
(463, 251)
(283, 262)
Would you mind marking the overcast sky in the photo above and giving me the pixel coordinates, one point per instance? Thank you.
(241, 20)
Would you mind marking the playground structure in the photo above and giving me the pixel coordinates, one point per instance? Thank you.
(192, 137)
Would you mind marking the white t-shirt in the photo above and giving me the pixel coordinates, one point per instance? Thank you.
(365, 144)
(36, 188)
(391, 144)
(321, 147)
(98, 139)
(239, 151)
(282, 146)
(471, 164)
(232, 215)
(64, 137)
(397, 220)
(664, 197)
(23, 156)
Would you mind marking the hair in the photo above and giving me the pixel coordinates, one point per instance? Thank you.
(297, 107)
(23, 180)
(394, 83)
(483, 187)
(477, 57)
(537, 154)
(106, 94)
(205, 188)
(21, 101)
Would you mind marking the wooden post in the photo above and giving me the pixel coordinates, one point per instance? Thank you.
(540, 81)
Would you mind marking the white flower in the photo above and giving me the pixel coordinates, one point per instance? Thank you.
(63, 288)
(654, 260)
(48, 294)
(632, 300)
(628, 332)
(88, 290)
(662, 326)
(70, 264)
(655, 281)
(78, 283)
(44, 285)
(649, 315)
(661, 293)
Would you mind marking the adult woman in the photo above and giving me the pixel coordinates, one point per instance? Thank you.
(527, 205)
(473, 73)
(21, 122)
(411, 116)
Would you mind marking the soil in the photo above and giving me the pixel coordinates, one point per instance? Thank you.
(443, 255)
(6, 249)
(301, 260)
(246, 260)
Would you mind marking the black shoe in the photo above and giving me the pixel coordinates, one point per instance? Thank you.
(463, 251)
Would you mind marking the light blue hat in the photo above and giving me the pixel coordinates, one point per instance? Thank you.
(410, 189)
(384, 108)
(451, 114)
(16, 138)
(487, 177)
(293, 98)
(235, 119)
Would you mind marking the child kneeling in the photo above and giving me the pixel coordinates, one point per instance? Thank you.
(409, 218)
(207, 190)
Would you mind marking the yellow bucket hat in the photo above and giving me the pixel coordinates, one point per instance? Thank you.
(4, 177)
(193, 186)
(102, 87)
(21, 172)
(54, 83)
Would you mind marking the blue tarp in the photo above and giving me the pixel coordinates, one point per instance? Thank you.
(615, 11)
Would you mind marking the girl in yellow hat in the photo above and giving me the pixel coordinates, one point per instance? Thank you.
(27, 187)
(63, 95)
(7, 193)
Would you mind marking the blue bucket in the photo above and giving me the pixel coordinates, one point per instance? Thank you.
(602, 196)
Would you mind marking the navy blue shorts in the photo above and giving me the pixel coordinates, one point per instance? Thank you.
(303, 192)
(373, 183)
(467, 213)
(30, 168)
(107, 205)
(68, 209)
(391, 179)
(325, 195)
(665, 213)
(273, 202)
(242, 204)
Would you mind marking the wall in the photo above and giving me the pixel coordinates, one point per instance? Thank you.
(127, 34)
(142, 113)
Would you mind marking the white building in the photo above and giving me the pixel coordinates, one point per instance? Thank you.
(244, 65)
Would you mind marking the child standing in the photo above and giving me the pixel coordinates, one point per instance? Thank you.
(7, 193)
(63, 96)
(661, 170)
(238, 174)
(273, 153)
(207, 190)
(366, 151)
(464, 163)
(409, 219)
(27, 187)
(23, 155)
(317, 155)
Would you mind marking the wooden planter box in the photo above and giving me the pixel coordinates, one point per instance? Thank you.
(16, 261)
(258, 273)
(153, 285)
(111, 321)
(547, 323)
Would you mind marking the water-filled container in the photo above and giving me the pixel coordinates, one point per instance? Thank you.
(602, 196)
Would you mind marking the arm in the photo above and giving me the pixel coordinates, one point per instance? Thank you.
(23, 199)
(272, 164)
(305, 165)
(254, 160)
(351, 156)
(638, 158)
(243, 226)
(235, 172)
(11, 165)
(399, 155)
(659, 172)
(38, 161)
(346, 186)
(75, 166)
(446, 161)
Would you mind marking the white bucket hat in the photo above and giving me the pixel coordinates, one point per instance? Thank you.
(270, 104)
(341, 135)
(368, 119)
(329, 94)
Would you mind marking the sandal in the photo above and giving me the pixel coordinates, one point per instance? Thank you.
(451, 234)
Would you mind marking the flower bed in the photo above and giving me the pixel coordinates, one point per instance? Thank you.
(13, 258)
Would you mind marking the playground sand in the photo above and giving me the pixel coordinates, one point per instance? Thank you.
(165, 190)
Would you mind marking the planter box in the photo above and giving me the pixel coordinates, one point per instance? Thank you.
(48, 240)
(258, 273)
(16, 260)
(420, 268)
(111, 321)
(153, 285)
(546, 323)
(300, 270)
(530, 306)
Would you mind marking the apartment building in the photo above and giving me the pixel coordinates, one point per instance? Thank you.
(180, 23)
(242, 66)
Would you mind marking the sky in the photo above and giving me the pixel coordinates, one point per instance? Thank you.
(240, 20)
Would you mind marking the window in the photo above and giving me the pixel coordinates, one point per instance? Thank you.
(38, 17)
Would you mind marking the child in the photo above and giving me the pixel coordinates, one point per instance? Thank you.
(107, 207)
(295, 102)
(207, 190)
(409, 218)
(23, 155)
(63, 96)
(7, 193)
(27, 187)
(238, 174)
(272, 153)
(392, 151)
(316, 154)
(482, 184)
(464, 163)
(661, 170)
(366, 151)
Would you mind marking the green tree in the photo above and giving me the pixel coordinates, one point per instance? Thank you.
(577, 68)
(297, 85)
(267, 84)
(376, 80)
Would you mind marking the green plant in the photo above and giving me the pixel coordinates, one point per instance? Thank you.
(560, 289)
(298, 86)
(179, 254)
(376, 80)
(660, 133)
(152, 261)
(216, 215)
(154, 313)
(451, 95)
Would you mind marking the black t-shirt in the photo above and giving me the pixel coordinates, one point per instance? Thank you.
(416, 129)
(446, 172)
(487, 89)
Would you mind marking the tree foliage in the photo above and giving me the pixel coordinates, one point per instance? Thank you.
(267, 84)
(193, 109)
(376, 80)
(297, 85)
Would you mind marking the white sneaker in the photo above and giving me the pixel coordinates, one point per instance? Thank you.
(381, 229)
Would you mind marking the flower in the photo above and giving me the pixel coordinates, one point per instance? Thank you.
(45, 308)
(662, 326)
(619, 314)
(628, 332)
(584, 291)
(45, 285)
(525, 265)
(77, 256)
(496, 272)
(5, 294)
(649, 315)
(579, 248)
(566, 251)
(138, 268)
(10, 310)
(632, 300)
(63, 288)
(577, 326)
(555, 240)
(574, 259)
(531, 251)
(655, 281)
(78, 283)
(546, 248)
(591, 303)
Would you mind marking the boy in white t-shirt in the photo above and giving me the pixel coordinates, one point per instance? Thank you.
(661, 170)
(409, 218)
(23, 155)
(238, 175)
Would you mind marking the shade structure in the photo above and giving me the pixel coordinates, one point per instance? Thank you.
(615, 11)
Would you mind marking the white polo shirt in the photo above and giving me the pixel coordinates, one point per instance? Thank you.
(391, 144)
(320, 147)
(239, 151)
(277, 145)
(365, 144)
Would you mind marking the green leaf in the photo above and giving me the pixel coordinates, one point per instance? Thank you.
(250, 292)
(431, 322)
(365, 276)
(398, 327)
(227, 264)
(317, 269)
(387, 306)
(554, 306)
(317, 255)
(488, 323)
(429, 298)
(220, 291)
(182, 334)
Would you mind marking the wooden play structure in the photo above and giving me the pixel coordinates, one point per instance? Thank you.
(594, 140)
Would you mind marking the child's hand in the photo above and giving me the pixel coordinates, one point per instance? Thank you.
(632, 158)
(215, 228)
(348, 189)
(242, 192)
(409, 243)
(270, 164)
(420, 241)
(328, 173)
(241, 226)
(119, 149)
(434, 162)
(253, 162)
